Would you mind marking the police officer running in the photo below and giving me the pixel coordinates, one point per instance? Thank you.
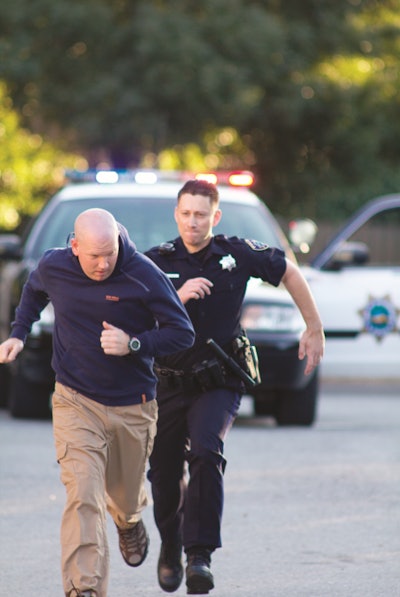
(198, 393)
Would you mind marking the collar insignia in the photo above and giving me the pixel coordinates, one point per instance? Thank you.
(228, 262)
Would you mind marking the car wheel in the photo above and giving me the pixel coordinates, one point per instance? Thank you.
(4, 385)
(264, 403)
(28, 399)
(298, 407)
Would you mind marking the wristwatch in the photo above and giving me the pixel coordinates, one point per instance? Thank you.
(134, 344)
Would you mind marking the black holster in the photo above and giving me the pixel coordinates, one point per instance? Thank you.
(209, 375)
(247, 357)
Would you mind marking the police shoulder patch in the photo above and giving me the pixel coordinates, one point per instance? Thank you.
(256, 245)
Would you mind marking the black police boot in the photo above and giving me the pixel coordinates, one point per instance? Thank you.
(199, 579)
(169, 568)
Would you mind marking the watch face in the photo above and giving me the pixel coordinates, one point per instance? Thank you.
(134, 344)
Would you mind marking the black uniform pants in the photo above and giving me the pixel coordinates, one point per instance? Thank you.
(190, 435)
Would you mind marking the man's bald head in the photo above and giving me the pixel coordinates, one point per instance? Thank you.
(95, 222)
(95, 243)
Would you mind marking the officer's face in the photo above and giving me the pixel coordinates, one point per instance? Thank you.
(196, 218)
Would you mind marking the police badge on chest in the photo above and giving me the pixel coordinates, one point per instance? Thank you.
(228, 262)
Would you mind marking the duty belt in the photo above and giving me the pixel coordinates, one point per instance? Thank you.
(175, 378)
(215, 372)
(203, 376)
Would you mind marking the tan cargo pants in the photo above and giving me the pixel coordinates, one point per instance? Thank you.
(103, 453)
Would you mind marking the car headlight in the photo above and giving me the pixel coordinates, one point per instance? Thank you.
(272, 317)
(45, 323)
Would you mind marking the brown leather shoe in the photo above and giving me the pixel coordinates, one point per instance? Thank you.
(169, 568)
(199, 578)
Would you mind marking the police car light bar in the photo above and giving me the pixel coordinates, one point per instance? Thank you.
(151, 176)
(207, 176)
(240, 178)
(106, 176)
(112, 176)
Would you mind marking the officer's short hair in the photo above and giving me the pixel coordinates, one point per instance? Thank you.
(200, 187)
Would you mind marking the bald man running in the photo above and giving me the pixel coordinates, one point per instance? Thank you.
(114, 312)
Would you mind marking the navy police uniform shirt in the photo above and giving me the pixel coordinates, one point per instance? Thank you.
(228, 263)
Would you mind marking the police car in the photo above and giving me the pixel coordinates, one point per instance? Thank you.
(144, 202)
(355, 280)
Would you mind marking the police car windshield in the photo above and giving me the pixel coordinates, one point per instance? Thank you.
(150, 222)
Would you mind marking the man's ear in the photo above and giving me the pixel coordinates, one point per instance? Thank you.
(74, 246)
(217, 217)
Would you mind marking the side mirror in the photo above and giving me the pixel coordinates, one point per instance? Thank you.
(348, 254)
(10, 247)
(302, 234)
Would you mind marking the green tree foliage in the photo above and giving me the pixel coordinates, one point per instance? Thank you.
(307, 91)
(329, 127)
(30, 168)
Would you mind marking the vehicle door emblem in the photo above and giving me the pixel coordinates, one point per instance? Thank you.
(379, 317)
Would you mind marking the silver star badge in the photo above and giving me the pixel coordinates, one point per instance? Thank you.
(228, 262)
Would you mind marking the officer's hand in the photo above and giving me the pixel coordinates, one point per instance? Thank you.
(312, 345)
(195, 288)
(10, 349)
(113, 340)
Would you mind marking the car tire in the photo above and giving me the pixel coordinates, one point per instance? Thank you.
(298, 407)
(263, 402)
(29, 399)
(4, 385)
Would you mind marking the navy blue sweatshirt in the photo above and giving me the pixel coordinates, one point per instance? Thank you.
(137, 298)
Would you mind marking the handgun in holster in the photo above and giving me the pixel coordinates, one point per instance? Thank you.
(246, 355)
(244, 362)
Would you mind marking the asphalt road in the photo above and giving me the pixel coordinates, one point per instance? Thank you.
(309, 512)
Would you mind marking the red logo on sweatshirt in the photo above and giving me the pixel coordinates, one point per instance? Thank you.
(110, 297)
